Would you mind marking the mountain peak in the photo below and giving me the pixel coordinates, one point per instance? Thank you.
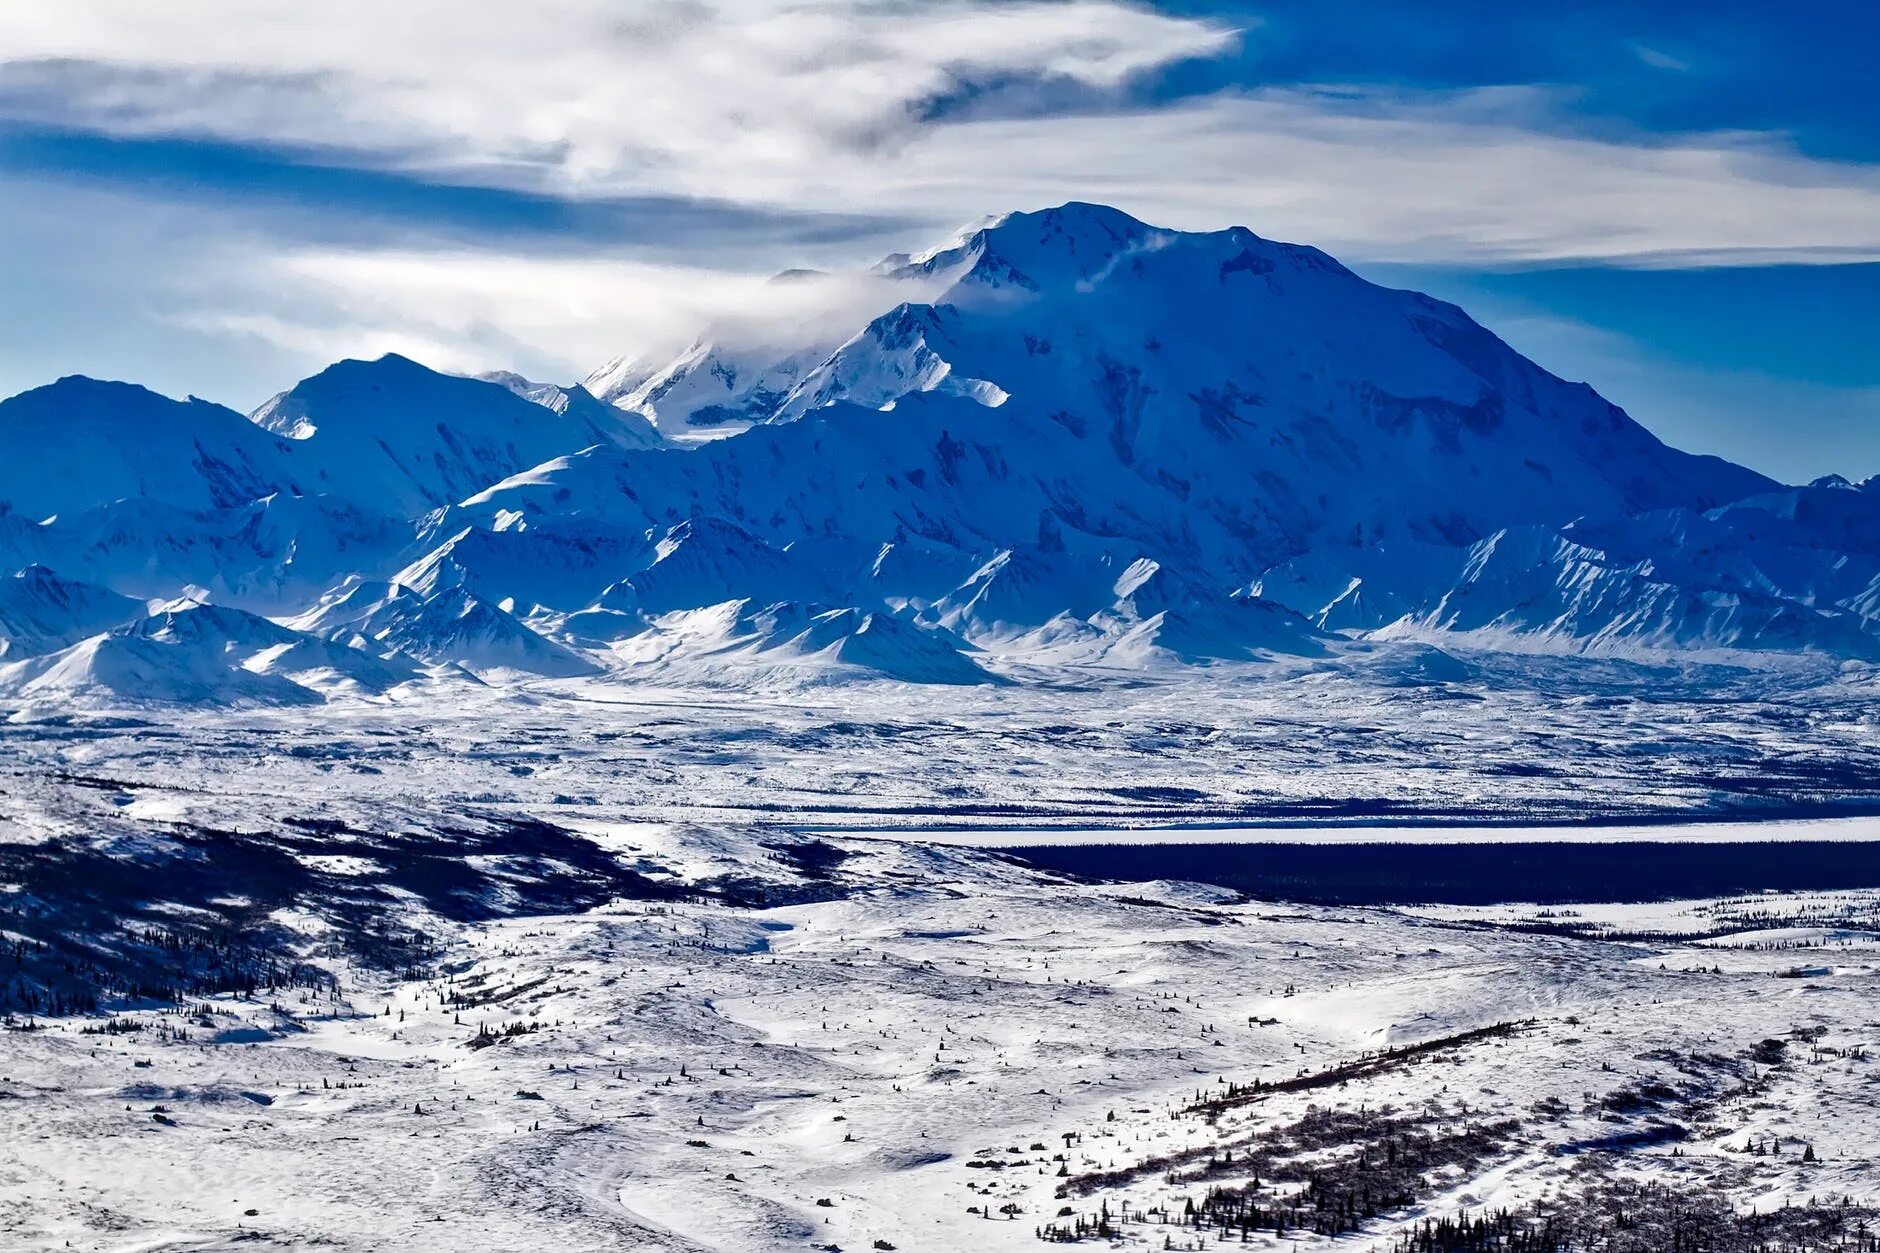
(395, 433)
(1075, 218)
(1041, 249)
(385, 366)
(83, 389)
(296, 412)
(997, 248)
(82, 442)
(1076, 245)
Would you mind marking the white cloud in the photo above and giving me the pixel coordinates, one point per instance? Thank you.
(576, 96)
(789, 106)
(1659, 59)
(469, 310)
(1436, 179)
(1440, 181)
(826, 105)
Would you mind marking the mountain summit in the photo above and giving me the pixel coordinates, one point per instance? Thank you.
(1263, 386)
(1217, 403)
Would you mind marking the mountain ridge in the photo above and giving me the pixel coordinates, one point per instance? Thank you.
(1093, 441)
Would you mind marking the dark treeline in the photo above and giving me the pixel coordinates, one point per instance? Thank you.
(1364, 1067)
(191, 913)
(1632, 1216)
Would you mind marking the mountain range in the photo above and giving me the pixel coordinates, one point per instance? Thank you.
(1070, 439)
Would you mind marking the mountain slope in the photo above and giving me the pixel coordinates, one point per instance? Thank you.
(450, 626)
(1264, 384)
(80, 443)
(271, 554)
(124, 668)
(621, 426)
(188, 652)
(405, 439)
(41, 612)
(1796, 569)
(1220, 402)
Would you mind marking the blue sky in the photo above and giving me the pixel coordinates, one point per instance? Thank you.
(1679, 203)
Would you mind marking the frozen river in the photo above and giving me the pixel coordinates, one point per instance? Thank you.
(1467, 865)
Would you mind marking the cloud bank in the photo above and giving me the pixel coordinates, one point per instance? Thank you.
(930, 112)
(666, 155)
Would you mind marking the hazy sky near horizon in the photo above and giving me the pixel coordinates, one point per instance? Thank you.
(1679, 203)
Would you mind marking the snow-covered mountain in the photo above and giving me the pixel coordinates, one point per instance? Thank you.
(80, 443)
(1090, 441)
(620, 425)
(189, 652)
(402, 438)
(42, 612)
(740, 642)
(708, 391)
(1797, 568)
(447, 626)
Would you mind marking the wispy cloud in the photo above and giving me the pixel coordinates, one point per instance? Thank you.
(1435, 180)
(465, 310)
(1469, 177)
(855, 107)
(1659, 59)
(574, 96)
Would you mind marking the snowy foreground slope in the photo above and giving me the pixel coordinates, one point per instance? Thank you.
(1070, 440)
(677, 971)
(917, 1068)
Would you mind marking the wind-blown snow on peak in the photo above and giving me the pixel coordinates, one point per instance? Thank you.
(1055, 248)
(623, 427)
(710, 390)
(903, 351)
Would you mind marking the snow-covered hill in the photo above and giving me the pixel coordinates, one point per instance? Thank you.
(1077, 440)
(42, 612)
(187, 651)
(449, 625)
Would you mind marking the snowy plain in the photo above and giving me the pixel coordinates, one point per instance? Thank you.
(806, 1021)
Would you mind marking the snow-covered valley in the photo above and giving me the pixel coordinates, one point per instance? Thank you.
(683, 969)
